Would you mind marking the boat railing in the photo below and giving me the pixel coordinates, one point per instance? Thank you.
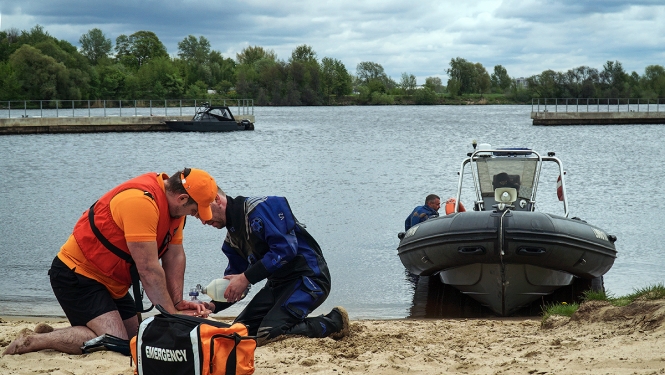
(539, 105)
(480, 154)
(117, 108)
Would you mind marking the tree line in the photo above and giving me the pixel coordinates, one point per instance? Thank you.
(37, 66)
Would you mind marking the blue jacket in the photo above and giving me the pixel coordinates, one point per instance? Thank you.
(264, 240)
(419, 214)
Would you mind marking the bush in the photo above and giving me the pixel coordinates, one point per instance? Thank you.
(378, 98)
(425, 96)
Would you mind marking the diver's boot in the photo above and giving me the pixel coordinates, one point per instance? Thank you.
(340, 320)
(335, 325)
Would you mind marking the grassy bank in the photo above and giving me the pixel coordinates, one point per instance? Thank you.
(650, 293)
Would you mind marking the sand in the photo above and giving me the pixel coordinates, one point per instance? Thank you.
(598, 339)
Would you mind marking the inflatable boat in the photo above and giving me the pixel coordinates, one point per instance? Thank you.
(504, 253)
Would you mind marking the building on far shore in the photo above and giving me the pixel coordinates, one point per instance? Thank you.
(521, 82)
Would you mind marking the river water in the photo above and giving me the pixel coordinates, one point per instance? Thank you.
(351, 174)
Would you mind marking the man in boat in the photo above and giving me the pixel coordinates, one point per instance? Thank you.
(505, 180)
(422, 213)
(264, 241)
(121, 238)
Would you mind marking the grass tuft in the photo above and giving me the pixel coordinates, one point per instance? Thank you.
(563, 309)
(649, 293)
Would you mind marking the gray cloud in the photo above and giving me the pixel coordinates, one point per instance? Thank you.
(420, 38)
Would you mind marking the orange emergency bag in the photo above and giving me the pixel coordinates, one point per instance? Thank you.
(180, 344)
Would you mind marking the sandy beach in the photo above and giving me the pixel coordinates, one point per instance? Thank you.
(598, 339)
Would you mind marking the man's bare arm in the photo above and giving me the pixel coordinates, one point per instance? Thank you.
(174, 263)
(152, 274)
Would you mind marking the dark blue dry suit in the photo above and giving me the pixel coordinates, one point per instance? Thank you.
(265, 241)
(419, 214)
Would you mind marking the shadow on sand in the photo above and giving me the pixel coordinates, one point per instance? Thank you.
(433, 299)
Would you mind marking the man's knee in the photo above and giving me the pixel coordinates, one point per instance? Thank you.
(110, 323)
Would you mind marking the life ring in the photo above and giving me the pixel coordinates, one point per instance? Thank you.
(450, 206)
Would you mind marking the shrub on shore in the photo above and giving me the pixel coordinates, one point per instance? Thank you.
(649, 293)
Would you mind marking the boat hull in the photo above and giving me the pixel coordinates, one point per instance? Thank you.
(507, 260)
(205, 126)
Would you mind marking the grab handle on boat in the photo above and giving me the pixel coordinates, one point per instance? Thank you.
(531, 251)
(476, 250)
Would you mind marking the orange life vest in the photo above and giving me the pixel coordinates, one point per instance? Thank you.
(99, 248)
(450, 206)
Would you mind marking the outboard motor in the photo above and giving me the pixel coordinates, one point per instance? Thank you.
(248, 124)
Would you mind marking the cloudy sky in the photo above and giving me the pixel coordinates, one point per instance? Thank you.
(418, 37)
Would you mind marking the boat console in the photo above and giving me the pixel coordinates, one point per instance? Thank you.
(497, 169)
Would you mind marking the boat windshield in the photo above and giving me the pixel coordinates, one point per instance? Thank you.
(213, 113)
(515, 172)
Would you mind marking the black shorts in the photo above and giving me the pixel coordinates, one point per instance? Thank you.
(83, 299)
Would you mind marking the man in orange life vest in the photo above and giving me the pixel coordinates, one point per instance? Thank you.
(123, 235)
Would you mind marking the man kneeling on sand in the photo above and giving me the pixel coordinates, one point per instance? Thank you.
(134, 230)
(265, 241)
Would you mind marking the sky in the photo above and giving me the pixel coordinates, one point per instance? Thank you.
(417, 37)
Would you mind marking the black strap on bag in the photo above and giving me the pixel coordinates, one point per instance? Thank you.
(232, 358)
(134, 273)
(231, 361)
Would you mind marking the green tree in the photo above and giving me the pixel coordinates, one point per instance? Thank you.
(139, 48)
(548, 84)
(373, 76)
(425, 96)
(112, 79)
(367, 71)
(336, 80)
(34, 36)
(613, 80)
(193, 50)
(160, 79)
(434, 84)
(197, 90)
(408, 83)
(483, 82)
(222, 71)
(500, 79)
(251, 55)
(195, 63)
(122, 46)
(580, 82)
(465, 74)
(247, 81)
(9, 42)
(654, 81)
(10, 87)
(95, 45)
(303, 53)
(79, 71)
(40, 76)
(304, 71)
(454, 87)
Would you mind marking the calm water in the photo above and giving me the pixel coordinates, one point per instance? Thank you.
(352, 174)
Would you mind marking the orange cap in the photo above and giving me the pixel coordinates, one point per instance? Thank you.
(202, 188)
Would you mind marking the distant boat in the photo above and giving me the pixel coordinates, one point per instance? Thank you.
(504, 253)
(210, 119)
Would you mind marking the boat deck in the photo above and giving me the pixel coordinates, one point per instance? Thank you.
(36, 125)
